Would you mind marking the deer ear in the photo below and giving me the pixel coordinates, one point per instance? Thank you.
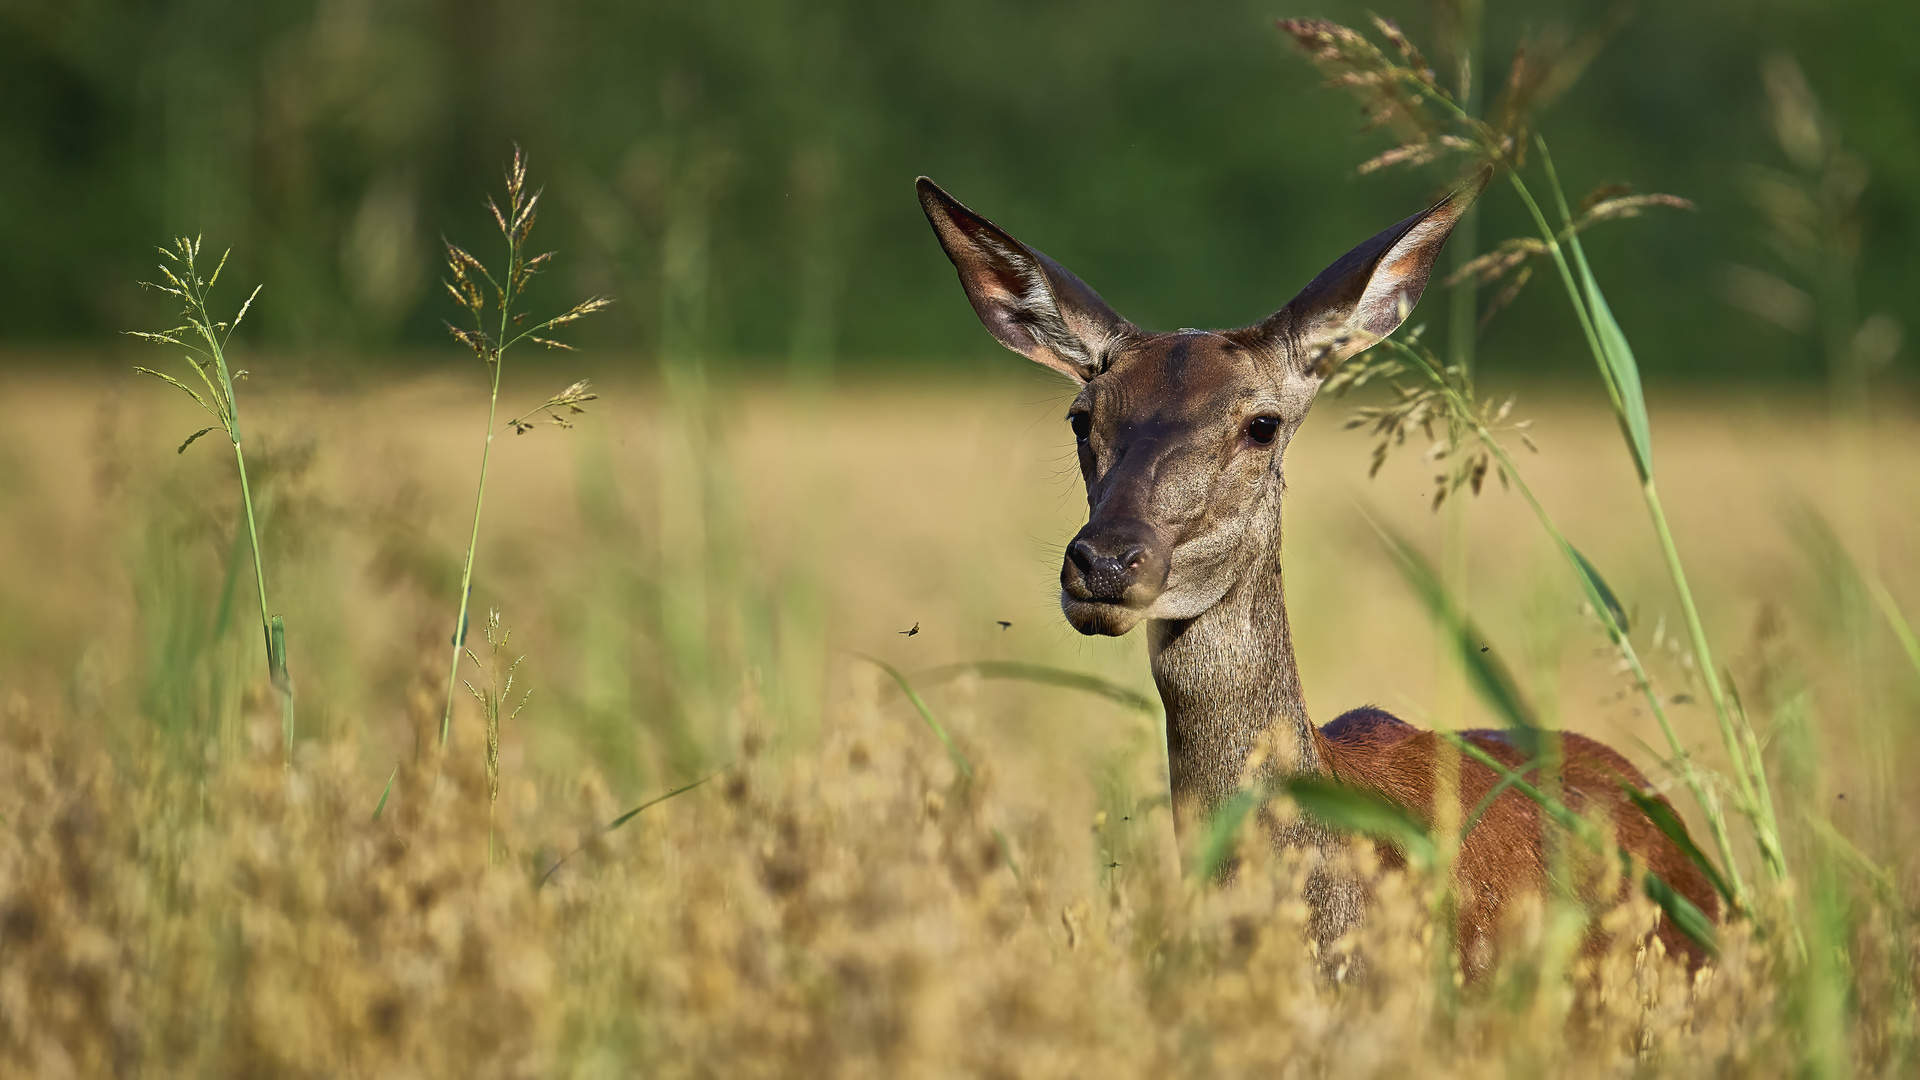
(1033, 305)
(1369, 291)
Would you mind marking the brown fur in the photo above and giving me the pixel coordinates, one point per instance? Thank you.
(1504, 858)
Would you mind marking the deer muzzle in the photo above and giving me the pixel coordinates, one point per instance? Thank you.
(1112, 573)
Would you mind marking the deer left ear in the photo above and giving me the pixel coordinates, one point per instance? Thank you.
(1030, 304)
(1368, 292)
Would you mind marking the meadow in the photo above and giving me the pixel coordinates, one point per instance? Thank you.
(697, 574)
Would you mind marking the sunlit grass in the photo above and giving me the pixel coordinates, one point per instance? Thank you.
(839, 898)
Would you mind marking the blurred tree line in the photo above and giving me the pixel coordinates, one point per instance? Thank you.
(738, 172)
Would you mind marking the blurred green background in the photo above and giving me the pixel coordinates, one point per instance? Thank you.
(737, 172)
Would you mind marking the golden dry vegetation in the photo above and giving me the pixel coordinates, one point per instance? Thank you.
(692, 576)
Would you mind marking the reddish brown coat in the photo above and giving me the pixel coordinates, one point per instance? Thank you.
(1504, 856)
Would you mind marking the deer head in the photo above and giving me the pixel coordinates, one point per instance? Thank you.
(1180, 436)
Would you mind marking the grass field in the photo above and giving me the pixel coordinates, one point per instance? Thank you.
(692, 576)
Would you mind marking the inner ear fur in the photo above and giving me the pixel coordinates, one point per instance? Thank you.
(1030, 304)
(1368, 292)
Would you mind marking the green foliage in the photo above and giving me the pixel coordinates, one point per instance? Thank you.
(1499, 692)
(342, 142)
(1404, 90)
(1902, 629)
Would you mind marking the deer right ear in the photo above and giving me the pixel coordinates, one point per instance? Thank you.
(1031, 304)
(1368, 292)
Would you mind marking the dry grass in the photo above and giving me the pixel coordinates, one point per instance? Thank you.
(838, 901)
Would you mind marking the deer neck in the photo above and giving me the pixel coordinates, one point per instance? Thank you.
(1227, 679)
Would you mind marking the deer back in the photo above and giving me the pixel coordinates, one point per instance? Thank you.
(1504, 856)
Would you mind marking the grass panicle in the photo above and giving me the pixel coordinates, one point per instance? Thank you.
(494, 699)
(559, 409)
(1406, 92)
(205, 340)
(494, 303)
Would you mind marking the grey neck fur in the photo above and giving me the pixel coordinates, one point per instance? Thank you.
(1226, 678)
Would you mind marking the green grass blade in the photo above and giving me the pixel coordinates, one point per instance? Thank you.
(1687, 918)
(1617, 363)
(1598, 589)
(1006, 852)
(1356, 810)
(1621, 373)
(1340, 806)
(1216, 847)
(1902, 629)
(1622, 369)
(1849, 853)
(1490, 677)
(1045, 676)
(1767, 828)
(959, 760)
(1668, 822)
(1486, 801)
(658, 799)
(277, 655)
(1554, 808)
(626, 817)
(381, 806)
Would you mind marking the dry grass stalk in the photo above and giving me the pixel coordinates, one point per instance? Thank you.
(838, 916)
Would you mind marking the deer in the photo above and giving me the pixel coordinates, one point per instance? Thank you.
(1180, 438)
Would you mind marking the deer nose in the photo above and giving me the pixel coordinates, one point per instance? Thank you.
(1108, 564)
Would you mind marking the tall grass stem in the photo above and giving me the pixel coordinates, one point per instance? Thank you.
(466, 569)
(1619, 373)
(465, 286)
(191, 290)
(1606, 609)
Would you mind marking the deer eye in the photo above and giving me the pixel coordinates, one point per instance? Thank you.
(1262, 429)
(1082, 424)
